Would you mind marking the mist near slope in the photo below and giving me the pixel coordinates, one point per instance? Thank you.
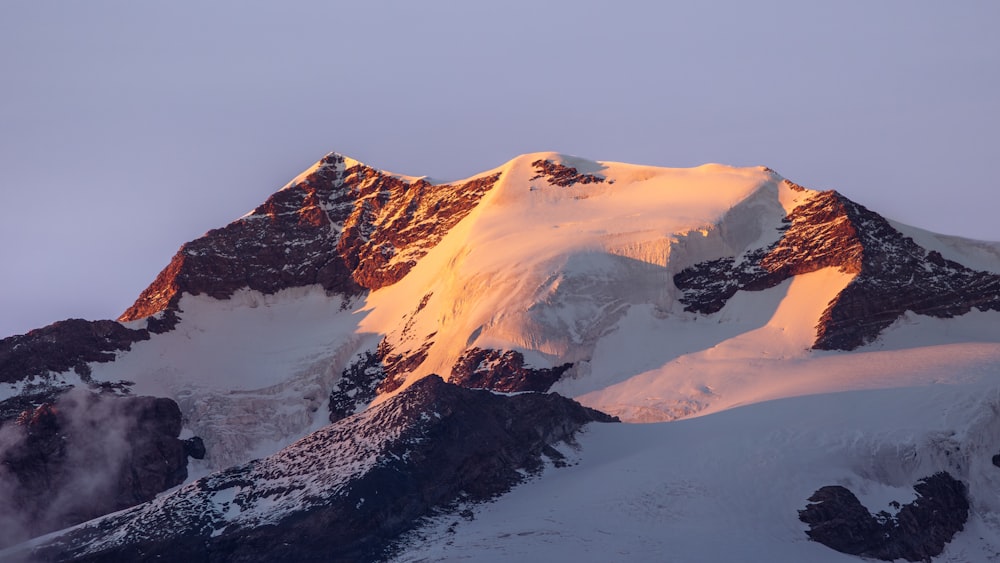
(77, 458)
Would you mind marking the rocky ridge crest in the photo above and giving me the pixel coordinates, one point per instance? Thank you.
(893, 273)
(345, 226)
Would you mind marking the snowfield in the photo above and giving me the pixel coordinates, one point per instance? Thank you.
(548, 270)
(728, 486)
(774, 360)
(251, 373)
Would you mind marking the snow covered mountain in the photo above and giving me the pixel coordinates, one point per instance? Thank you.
(831, 347)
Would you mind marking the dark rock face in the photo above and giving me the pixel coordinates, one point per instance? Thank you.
(345, 226)
(13, 408)
(397, 366)
(838, 520)
(371, 374)
(344, 493)
(894, 274)
(383, 371)
(357, 386)
(562, 175)
(502, 371)
(84, 456)
(62, 346)
(918, 532)
(194, 447)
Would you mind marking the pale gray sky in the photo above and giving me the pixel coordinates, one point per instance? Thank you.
(128, 128)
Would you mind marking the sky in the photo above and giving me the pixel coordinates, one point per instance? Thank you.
(128, 128)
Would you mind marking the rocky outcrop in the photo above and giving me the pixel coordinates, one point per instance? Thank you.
(561, 175)
(838, 520)
(893, 273)
(63, 346)
(345, 492)
(383, 371)
(919, 531)
(344, 226)
(502, 371)
(398, 365)
(13, 408)
(194, 447)
(86, 455)
(372, 373)
(357, 386)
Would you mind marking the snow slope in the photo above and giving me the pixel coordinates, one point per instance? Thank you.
(584, 274)
(250, 373)
(719, 371)
(547, 270)
(728, 487)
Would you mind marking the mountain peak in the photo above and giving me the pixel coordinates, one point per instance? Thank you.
(340, 224)
(433, 324)
(715, 229)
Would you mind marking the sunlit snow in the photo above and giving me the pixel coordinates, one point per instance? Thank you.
(579, 274)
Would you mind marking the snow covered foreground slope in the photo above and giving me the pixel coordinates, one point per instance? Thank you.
(728, 487)
(653, 294)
